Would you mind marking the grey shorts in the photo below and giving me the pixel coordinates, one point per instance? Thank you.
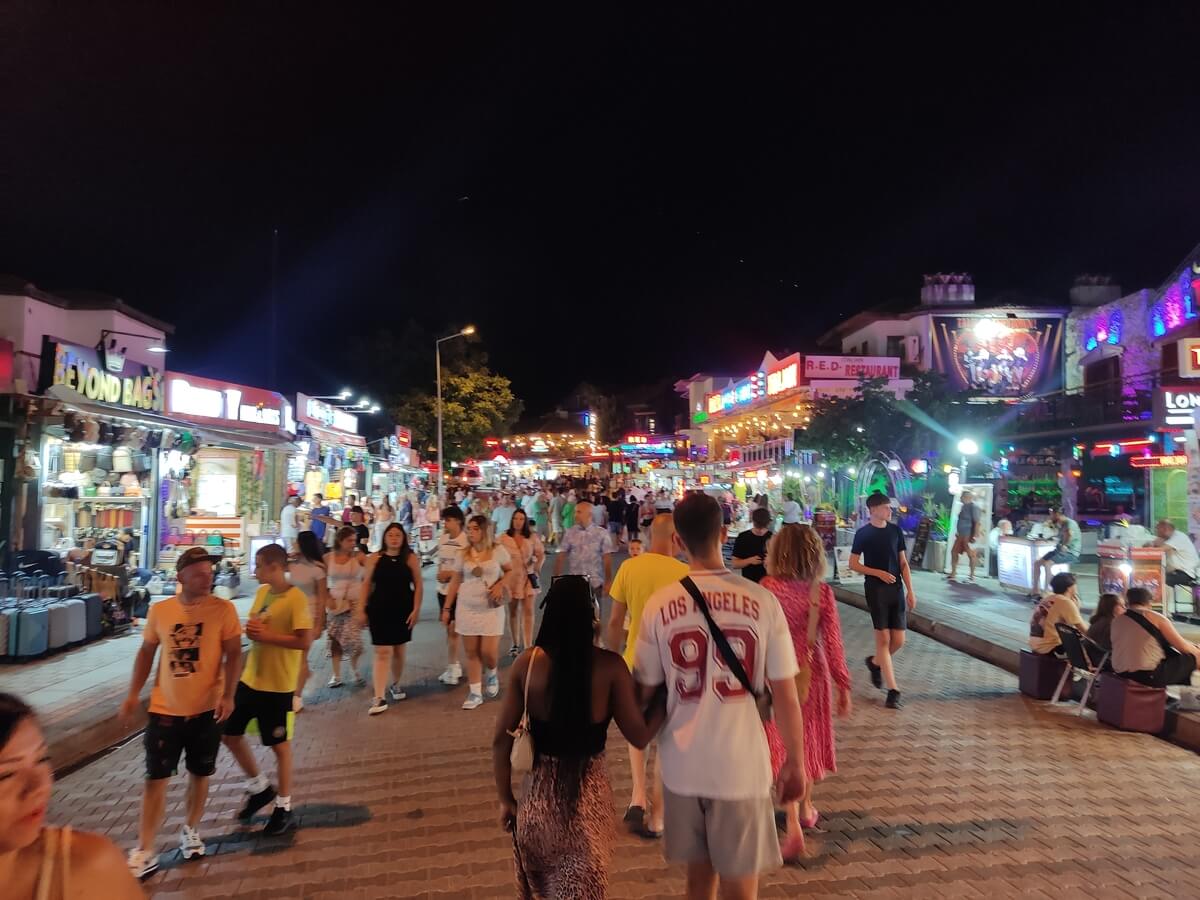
(736, 837)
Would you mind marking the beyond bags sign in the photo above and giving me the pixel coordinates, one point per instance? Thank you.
(72, 372)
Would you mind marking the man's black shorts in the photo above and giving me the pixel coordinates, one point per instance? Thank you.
(269, 707)
(167, 737)
(886, 603)
(442, 606)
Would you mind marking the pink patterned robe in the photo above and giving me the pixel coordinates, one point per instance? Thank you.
(828, 660)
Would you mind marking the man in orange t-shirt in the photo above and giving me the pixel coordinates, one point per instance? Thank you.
(193, 690)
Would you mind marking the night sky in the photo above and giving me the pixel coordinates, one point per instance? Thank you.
(608, 197)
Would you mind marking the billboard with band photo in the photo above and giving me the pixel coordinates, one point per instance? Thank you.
(999, 356)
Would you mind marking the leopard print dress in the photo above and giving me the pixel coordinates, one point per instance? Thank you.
(563, 847)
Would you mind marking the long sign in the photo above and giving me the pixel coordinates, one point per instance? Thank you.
(1173, 406)
(204, 399)
(69, 371)
(312, 411)
(852, 367)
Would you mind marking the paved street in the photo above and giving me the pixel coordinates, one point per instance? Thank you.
(971, 790)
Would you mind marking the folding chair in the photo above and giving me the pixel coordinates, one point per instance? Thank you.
(1083, 654)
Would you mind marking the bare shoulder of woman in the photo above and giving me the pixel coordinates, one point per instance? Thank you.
(99, 870)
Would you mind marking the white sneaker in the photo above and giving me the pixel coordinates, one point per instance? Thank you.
(473, 701)
(457, 669)
(449, 677)
(141, 863)
(190, 844)
(379, 706)
(491, 685)
(396, 693)
(333, 682)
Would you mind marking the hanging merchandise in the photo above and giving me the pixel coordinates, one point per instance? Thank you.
(122, 459)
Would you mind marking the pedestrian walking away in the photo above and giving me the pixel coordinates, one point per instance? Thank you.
(636, 581)
(796, 573)
(452, 542)
(201, 653)
(527, 553)
(716, 765)
(345, 566)
(309, 573)
(279, 629)
(878, 553)
(566, 691)
(39, 861)
(391, 604)
(477, 593)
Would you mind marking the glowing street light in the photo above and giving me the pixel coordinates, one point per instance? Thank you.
(968, 447)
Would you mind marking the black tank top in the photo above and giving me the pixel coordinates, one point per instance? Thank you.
(550, 740)
(392, 581)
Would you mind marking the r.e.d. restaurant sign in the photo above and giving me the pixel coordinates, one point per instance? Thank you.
(71, 372)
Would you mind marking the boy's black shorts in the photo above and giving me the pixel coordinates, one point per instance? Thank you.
(269, 707)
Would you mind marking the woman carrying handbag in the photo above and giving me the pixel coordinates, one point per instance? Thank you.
(795, 575)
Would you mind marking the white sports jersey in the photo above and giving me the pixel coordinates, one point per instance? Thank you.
(713, 744)
(449, 554)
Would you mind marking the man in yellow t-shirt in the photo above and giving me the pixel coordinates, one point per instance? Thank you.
(280, 627)
(201, 653)
(636, 579)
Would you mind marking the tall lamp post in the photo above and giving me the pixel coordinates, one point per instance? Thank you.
(437, 350)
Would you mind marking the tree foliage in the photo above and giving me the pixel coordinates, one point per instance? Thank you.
(929, 419)
(476, 403)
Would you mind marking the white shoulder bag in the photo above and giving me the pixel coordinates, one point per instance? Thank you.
(522, 749)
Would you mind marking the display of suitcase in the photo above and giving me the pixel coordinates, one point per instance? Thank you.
(33, 631)
(58, 618)
(13, 594)
(76, 620)
(94, 608)
(8, 627)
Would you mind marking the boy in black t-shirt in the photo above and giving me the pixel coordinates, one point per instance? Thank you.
(750, 547)
(879, 554)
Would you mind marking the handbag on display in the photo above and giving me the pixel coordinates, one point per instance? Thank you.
(87, 460)
(71, 459)
(141, 462)
(122, 459)
(104, 458)
(105, 489)
(762, 699)
(523, 751)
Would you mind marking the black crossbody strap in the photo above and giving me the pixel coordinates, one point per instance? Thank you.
(731, 660)
(1152, 631)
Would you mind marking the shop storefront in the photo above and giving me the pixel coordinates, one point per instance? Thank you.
(226, 481)
(332, 460)
(396, 468)
(97, 472)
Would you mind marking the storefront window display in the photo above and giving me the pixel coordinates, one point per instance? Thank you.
(334, 459)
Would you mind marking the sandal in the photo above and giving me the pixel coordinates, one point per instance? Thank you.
(649, 833)
(635, 819)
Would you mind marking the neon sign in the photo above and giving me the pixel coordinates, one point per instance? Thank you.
(1159, 462)
(1177, 306)
(785, 377)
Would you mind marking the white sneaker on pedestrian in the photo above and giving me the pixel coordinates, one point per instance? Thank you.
(491, 685)
(396, 693)
(449, 677)
(190, 844)
(142, 863)
(334, 682)
(473, 701)
(457, 669)
(379, 706)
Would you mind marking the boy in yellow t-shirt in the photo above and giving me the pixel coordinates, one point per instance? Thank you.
(280, 626)
(637, 578)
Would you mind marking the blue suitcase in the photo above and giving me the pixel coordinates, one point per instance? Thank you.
(58, 629)
(94, 609)
(8, 630)
(76, 620)
(33, 631)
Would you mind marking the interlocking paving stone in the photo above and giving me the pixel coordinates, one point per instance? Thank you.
(970, 791)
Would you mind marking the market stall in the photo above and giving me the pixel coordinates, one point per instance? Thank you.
(333, 459)
(1017, 557)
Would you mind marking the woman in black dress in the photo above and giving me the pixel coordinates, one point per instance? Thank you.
(392, 602)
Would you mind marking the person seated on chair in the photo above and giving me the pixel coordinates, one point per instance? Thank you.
(1146, 646)
(1182, 560)
(1100, 628)
(1070, 544)
(1060, 605)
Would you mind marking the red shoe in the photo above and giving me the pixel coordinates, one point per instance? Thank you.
(792, 849)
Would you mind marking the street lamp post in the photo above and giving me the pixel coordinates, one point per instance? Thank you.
(966, 447)
(437, 351)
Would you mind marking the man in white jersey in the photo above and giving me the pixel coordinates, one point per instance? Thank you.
(716, 766)
(452, 543)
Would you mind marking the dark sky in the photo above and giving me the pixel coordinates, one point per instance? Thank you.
(608, 196)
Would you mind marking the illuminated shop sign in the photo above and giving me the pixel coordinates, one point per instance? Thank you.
(1173, 406)
(1189, 357)
(997, 356)
(653, 445)
(192, 397)
(1104, 328)
(312, 411)
(1177, 306)
(73, 372)
(785, 377)
(1176, 460)
(852, 367)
